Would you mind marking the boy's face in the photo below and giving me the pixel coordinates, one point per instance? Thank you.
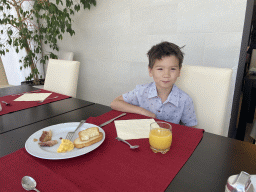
(165, 72)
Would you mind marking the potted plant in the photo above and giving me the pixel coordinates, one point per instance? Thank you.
(34, 24)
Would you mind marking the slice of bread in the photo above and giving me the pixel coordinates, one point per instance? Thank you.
(78, 143)
(88, 133)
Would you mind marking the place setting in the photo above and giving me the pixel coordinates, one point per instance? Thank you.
(16, 102)
(110, 154)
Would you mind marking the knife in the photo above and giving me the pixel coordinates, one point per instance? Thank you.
(107, 122)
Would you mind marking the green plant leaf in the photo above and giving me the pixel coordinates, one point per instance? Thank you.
(51, 21)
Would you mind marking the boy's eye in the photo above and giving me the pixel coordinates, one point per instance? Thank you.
(173, 69)
(159, 69)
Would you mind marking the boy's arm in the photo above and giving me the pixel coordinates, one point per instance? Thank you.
(189, 115)
(120, 105)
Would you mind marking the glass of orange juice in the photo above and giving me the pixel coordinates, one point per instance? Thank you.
(160, 137)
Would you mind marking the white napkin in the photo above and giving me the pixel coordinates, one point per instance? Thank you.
(33, 97)
(133, 129)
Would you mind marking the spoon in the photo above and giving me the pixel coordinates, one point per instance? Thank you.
(28, 183)
(131, 146)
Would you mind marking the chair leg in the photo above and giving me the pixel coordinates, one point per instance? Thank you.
(253, 142)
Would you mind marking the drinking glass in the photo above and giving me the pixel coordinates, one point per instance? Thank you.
(160, 137)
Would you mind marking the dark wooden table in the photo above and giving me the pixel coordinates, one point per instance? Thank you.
(13, 140)
(214, 160)
(32, 115)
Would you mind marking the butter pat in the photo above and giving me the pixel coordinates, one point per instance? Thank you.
(66, 145)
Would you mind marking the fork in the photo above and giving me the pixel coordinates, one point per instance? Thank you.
(71, 134)
(7, 104)
(35, 91)
(26, 92)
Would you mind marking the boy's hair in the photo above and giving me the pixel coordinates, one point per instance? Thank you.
(157, 52)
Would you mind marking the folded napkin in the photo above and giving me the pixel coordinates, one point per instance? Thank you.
(33, 97)
(19, 164)
(133, 129)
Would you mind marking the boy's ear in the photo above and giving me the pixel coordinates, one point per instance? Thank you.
(149, 71)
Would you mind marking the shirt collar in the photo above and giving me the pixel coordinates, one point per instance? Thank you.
(172, 98)
(152, 90)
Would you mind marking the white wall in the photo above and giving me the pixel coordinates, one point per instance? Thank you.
(112, 40)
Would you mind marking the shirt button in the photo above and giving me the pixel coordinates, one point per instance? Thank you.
(158, 111)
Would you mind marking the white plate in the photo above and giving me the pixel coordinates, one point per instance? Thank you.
(59, 131)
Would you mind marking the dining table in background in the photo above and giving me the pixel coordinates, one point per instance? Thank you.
(16, 89)
(32, 115)
(214, 160)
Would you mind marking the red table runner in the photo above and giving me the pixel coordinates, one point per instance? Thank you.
(19, 164)
(113, 166)
(20, 105)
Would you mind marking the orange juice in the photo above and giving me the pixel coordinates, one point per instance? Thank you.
(160, 138)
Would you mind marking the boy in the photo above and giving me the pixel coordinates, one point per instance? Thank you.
(161, 99)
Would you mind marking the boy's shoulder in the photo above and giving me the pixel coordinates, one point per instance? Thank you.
(145, 89)
(145, 86)
(181, 93)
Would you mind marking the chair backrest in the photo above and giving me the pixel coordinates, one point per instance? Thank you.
(62, 76)
(209, 89)
(68, 56)
(3, 78)
(253, 59)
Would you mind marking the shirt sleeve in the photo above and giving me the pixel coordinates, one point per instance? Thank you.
(131, 97)
(189, 116)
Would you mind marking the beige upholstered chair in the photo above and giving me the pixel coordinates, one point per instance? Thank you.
(253, 131)
(209, 89)
(252, 70)
(62, 56)
(67, 56)
(62, 76)
(253, 59)
(3, 78)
